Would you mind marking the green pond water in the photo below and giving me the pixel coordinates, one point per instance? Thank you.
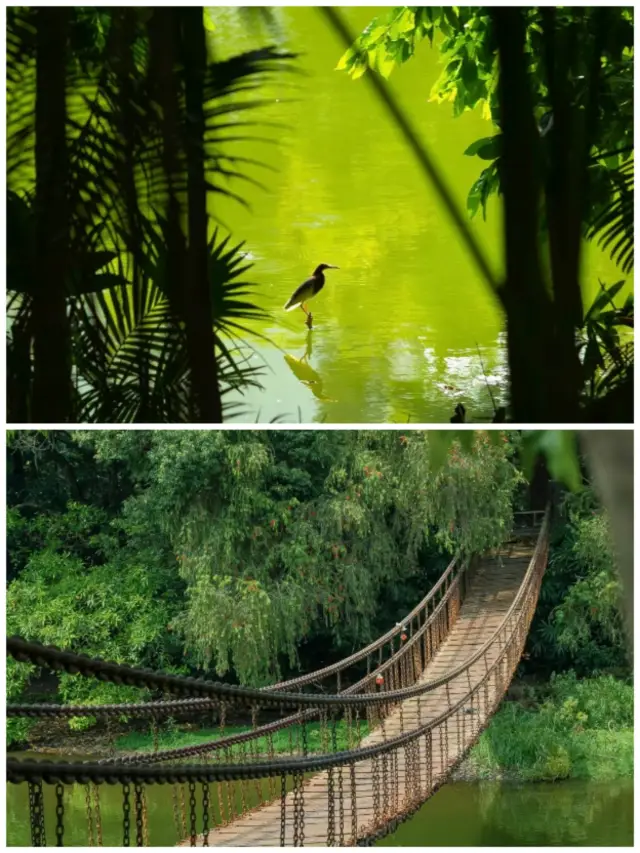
(459, 814)
(398, 327)
(571, 813)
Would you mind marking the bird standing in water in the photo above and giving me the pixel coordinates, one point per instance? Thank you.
(308, 289)
(460, 415)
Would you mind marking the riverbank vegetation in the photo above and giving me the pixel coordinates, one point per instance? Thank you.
(570, 712)
(566, 729)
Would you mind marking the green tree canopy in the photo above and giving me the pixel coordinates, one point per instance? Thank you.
(228, 551)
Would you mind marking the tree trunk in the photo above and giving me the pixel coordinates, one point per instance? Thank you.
(609, 455)
(539, 491)
(569, 144)
(529, 326)
(51, 330)
(198, 308)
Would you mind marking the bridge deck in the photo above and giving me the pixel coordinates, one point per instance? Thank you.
(491, 592)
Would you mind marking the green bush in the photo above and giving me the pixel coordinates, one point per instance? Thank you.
(581, 729)
(577, 624)
(604, 702)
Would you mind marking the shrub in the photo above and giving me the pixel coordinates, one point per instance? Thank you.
(581, 729)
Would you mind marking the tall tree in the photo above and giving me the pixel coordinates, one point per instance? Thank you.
(198, 308)
(119, 279)
(51, 334)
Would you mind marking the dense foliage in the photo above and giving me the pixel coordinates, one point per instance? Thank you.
(124, 303)
(579, 729)
(578, 620)
(239, 553)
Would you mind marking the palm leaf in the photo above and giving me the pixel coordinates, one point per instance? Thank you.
(129, 359)
(613, 226)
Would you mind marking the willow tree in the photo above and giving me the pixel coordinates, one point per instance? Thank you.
(278, 534)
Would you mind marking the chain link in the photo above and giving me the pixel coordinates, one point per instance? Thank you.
(331, 805)
(35, 825)
(36, 814)
(137, 790)
(298, 810)
(428, 749)
(446, 745)
(385, 785)
(205, 814)
(354, 804)
(126, 818)
(228, 789)
(375, 777)
(59, 816)
(192, 814)
(243, 783)
(255, 754)
(98, 816)
(43, 836)
(270, 755)
(341, 807)
(396, 787)
(283, 809)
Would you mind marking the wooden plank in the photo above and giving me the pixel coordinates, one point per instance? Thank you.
(492, 589)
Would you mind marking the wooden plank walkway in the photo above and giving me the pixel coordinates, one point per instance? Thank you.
(491, 592)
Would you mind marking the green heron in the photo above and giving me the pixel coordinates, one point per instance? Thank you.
(308, 289)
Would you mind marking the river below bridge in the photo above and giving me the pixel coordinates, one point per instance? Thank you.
(460, 814)
(488, 814)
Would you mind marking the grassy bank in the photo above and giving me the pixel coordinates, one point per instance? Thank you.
(319, 739)
(569, 729)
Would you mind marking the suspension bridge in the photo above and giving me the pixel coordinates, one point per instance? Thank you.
(339, 756)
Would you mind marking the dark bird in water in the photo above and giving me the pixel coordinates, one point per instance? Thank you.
(460, 415)
(308, 289)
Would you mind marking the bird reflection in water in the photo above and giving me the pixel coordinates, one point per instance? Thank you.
(303, 371)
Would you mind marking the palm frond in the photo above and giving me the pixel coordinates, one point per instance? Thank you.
(124, 307)
(613, 226)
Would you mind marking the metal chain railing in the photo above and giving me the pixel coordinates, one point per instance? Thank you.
(447, 593)
(368, 777)
(420, 614)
